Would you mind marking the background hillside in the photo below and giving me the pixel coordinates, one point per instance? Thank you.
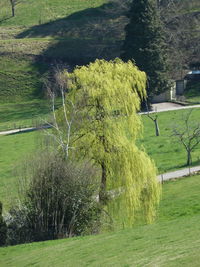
(44, 33)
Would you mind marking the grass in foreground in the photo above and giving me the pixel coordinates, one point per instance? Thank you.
(13, 149)
(172, 241)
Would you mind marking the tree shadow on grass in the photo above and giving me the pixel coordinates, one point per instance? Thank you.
(81, 37)
(4, 19)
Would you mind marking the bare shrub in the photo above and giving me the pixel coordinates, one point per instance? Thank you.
(59, 201)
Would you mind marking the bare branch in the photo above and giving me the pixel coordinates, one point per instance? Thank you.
(188, 134)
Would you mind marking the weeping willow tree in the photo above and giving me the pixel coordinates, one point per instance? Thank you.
(105, 97)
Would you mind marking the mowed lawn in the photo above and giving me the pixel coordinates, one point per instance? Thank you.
(167, 152)
(13, 150)
(25, 113)
(41, 11)
(173, 240)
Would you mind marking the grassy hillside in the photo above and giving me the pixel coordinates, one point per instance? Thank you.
(14, 148)
(172, 241)
(20, 78)
(33, 12)
(25, 113)
(167, 152)
(47, 32)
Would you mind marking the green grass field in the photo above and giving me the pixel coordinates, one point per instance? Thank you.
(21, 78)
(30, 12)
(46, 33)
(173, 240)
(13, 150)
(25, 114)
(167, 152)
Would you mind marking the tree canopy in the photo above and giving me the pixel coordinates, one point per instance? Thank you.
(106, 97)
(144, 43)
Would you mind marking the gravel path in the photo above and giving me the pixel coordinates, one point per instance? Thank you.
(178, 174)
(168, 106)
(23, 130)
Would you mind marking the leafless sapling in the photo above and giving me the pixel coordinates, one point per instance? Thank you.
(188, 134)
(154, 117)
(13, 4)
(63, 134)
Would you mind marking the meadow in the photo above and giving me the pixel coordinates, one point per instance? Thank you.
(41, 11)
(173, 240)
(42, 35)
(13, 150)
(45, 33)
(165, 150)
(24, 114)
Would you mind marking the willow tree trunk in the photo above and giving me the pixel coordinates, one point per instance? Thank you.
(102, 192)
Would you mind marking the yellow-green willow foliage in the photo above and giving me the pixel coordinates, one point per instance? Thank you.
(107, 96)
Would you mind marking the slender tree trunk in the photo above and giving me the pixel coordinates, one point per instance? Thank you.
(13, 11)
(102, 192)
(157, 127)
(12, 3)
(189, 158)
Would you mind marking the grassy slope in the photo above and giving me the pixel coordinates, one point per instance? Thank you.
(172, 241)
(20, 78)
(33, 12)
(25, 113)
(54, 30)
(26, 61)
(13, 149)
(167, 152)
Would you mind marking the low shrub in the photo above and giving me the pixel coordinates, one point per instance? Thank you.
(58, 201)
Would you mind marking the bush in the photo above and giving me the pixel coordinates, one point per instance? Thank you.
(3, 228)
(59, 201)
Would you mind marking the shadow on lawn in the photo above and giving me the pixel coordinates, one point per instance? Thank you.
(83, 36)
(24, 111)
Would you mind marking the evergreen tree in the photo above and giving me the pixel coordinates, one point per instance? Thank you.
(107, 98)
(144, 43)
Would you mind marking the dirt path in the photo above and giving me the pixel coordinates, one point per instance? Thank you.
(178, 174)
(168, 106)
(24, 130)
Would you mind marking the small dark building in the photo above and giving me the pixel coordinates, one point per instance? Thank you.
(193, 75)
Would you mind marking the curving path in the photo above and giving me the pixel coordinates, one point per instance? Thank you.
(24, 130)
(178, 174)
(168, 106)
